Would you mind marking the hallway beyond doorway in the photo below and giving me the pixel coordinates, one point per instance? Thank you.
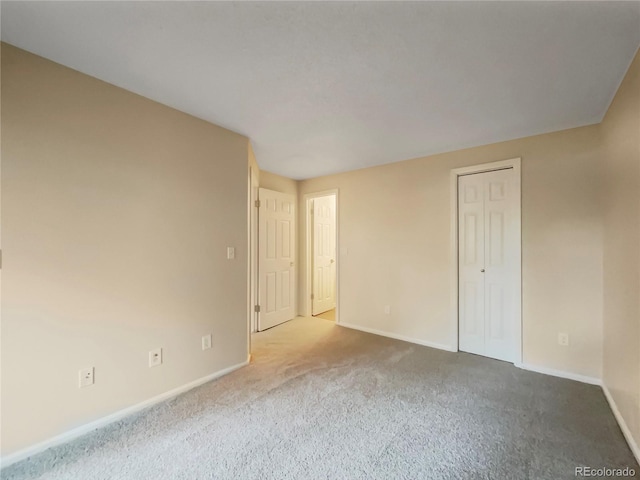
(328, 315)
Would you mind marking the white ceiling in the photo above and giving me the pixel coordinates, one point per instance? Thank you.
(328, 87)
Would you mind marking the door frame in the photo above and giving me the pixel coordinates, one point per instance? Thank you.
(515, 164)
(308, 251)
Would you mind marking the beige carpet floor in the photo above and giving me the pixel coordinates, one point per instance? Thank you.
(320, 401)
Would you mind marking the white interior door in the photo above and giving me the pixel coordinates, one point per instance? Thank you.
(323, 213)
(253, 242)
(487, 244)
(276, 257)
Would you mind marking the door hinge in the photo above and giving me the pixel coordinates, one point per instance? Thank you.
(257, 203)
(256, 309)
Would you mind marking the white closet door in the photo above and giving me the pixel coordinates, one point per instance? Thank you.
(486, 260)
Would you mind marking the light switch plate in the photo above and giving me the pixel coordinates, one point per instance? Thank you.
(206, 342)
(231, 253)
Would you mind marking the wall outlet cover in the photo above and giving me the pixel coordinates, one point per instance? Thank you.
(86, 377)
(155, 357)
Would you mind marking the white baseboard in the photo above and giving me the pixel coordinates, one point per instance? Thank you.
(623, 425)
(114, 417)
(397, 337)
(560, 373)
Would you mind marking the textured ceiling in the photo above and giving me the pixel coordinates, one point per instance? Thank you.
(328, 87)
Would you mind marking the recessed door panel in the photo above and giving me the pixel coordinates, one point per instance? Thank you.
(496, 239)
(271, 292)
(285, 238)
(270, 239)
(495, 311)
(471, 245)
(472, 309)
(286, 291)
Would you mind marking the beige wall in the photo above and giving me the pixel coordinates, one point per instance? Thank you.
(253, 162)
(621, 170)
(395, 223)
(117, 212)
(278, 183)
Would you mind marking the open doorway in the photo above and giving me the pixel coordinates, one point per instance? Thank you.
(322, 260)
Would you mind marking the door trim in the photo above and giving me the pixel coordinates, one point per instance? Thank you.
(308, 285)
(514, 163)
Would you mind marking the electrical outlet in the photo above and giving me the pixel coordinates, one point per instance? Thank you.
(563, 339)
(231, 253)
(387, 309)
(155, 357)
(206, 342)
(86, 377)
